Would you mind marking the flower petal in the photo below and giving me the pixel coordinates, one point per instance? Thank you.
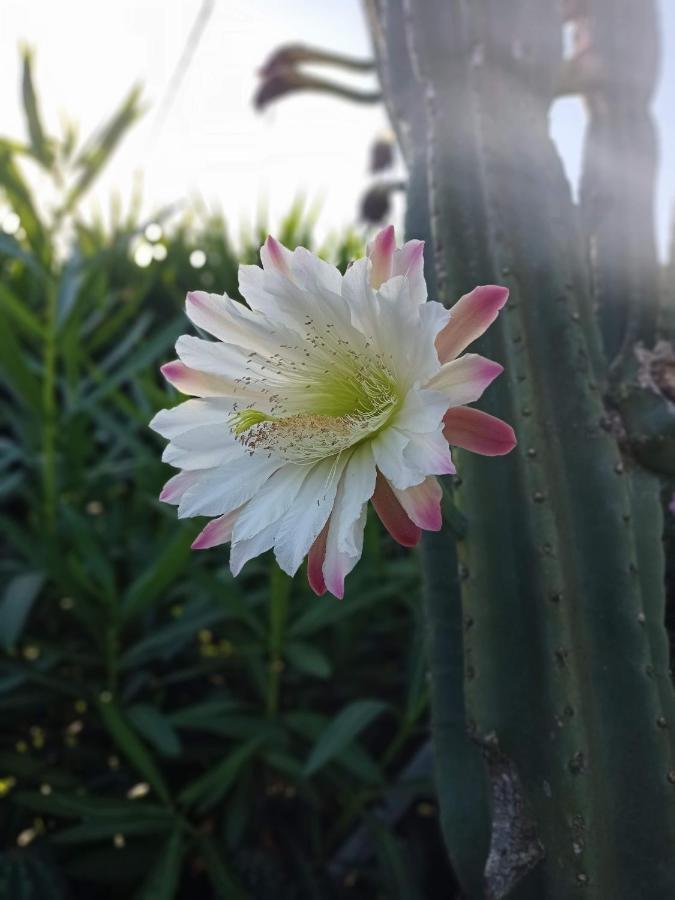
(463, 380)
(422, 503)
(393, 516)
(478, 431)
(227, 487)
(317, 553)
(271, 502)
(339, 563)
(172, 422)
(344, 541)
(422, 411)
(218, 531)
(302, 524)
(409, 261)
(234, 323)
(381, 254)
(275, 256)
(176, 486)
(190, 381)
(388, 449)
(469, 318)
(242, 551)
(430, 453)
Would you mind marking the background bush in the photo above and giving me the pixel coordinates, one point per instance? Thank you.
(169, 731)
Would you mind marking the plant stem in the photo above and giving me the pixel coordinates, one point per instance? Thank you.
(49, 412)
(280, 588)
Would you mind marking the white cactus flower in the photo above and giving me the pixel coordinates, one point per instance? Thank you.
(326, 392)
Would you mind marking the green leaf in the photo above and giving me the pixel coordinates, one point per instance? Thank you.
(15, 371)
(161, 572)
(81, 806)
(155, 728)
(100, 146)
(69, 286)
(39, 142)
(168, 640)
(18, 309)
(162, 881)
(307, 659)
(208, 790)
(348, 723)
(133, 748)
(90, 832)
(225, 886)
(16, 604)
(19, 196)
(395, 864)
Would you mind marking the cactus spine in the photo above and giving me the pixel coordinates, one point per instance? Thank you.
(565, 653)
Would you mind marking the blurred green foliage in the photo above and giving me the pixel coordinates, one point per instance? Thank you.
(169, 731)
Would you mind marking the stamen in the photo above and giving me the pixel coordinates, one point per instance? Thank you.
(319, 406)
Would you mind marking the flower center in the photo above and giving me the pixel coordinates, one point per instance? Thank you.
(339, 409)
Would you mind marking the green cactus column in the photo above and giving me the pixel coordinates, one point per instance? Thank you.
(615, 68)
(565, 664)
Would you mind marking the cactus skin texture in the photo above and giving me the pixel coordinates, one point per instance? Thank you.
(564, 650)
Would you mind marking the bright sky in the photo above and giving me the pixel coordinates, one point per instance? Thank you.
(212, 143)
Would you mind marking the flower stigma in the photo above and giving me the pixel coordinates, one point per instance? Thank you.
(340, 407)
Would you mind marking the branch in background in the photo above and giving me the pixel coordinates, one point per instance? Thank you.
(376, 202)
(281, 75)
(292, 55)
(382, 153)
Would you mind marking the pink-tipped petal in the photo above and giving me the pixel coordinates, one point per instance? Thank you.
(463, 380)
(478, 431)
(409, 261)
(422, 503)
(315, 558)
(176, 486)
(469, 318)
(190, 381)
(381, 255)
(275, 256)
(218, 531)
(393, 516)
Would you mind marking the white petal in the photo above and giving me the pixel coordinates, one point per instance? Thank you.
(422, 411)
(180, 458)
(430, 453)
(359, 297)
(421, 355)
(228, 487)
(242, 551)
(301, 525)
(344, 541)
(463, 380)
(409, 261)
(171, 422)
(225, 360)
(271, 502)
(177, 485)
(217, 531)
(337, 563)
(356, 488)
(388, 450)
(234, 323)
(315, 274)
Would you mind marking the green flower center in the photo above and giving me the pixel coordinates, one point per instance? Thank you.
(340, 409)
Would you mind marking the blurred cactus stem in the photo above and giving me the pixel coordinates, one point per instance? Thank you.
(553, 710)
